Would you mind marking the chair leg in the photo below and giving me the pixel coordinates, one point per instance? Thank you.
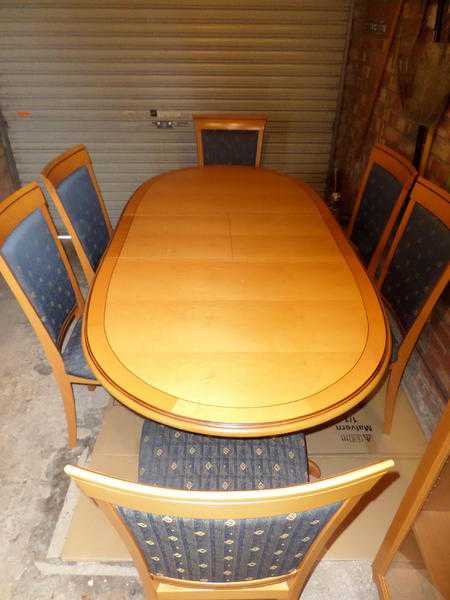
(69, 406)
(314, 469)
(393, 383)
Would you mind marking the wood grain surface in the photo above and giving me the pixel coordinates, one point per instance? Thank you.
(229, 302)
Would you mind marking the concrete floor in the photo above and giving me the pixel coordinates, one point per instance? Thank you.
(33, 453)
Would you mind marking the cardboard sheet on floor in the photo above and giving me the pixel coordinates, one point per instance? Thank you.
(362, 431)
(350, 443)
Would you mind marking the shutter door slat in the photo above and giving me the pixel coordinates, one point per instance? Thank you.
(159, 93)
(154, 43)
(90, 74)
(112, 29)
(243, 12)
(166, 68)
(53, 81)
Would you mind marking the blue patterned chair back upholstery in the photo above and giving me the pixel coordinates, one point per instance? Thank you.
(422, 254)
(380, 194)
(32, 255)
(229, 147)
(81, 202)
(225, 550)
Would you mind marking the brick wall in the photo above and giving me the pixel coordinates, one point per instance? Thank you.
(389, 125)
(427, 377)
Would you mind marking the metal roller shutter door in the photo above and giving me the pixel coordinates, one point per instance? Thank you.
(74, 72)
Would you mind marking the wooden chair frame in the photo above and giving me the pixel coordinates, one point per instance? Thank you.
(13, 210)
(229, 122)
(108, 493)
(428, 470)
(55, 172)
(398, 166)
(437, 201)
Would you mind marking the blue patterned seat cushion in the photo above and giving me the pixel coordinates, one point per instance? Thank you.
(80, 199)
(220, 550)
(229, 147)
(73, 356)
(419, 260)
(32, 255)
(378, 199)
(178, 459)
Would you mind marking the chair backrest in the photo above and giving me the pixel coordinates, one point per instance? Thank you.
(35, 266)
(251, 537)
(74, 190)
(384, 188)
(417, 267)
(229, 139)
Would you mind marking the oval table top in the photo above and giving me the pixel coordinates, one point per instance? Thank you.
(230, 303)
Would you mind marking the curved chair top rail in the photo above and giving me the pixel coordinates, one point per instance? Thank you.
(18, 206)
(226, 505)
(397, 164)
(430, 196)
(403, 171)
(13, 210)
(230, 121)
(67, 162)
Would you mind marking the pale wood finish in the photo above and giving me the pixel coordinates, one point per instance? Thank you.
(432, 531)
(398, 166)
(428, 470)
(13, 210)
(437, 201)
(229, 122)
(440, 501)
(229, 302)
(108, 492)
(424, 159)
(55, 172)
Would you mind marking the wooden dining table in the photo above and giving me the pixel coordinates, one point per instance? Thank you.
(230, 303)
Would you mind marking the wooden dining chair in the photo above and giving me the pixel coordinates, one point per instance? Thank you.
(225, 518)
(73, 188)
(384, 188)
(229, 139)
(36, 268)
(414, 275)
